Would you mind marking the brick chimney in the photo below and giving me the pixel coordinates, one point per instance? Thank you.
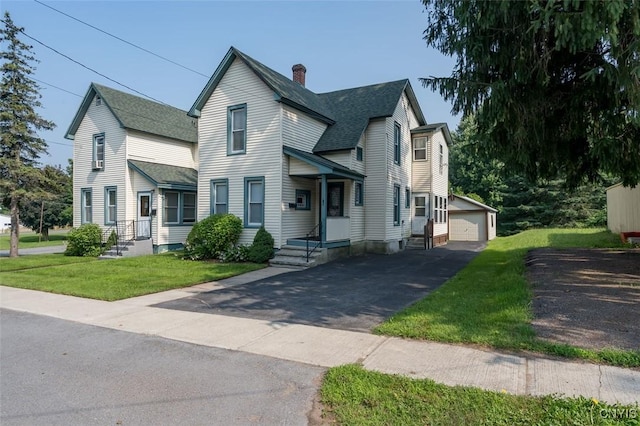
(299, 72)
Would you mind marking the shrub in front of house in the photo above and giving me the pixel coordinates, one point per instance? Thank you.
(239, 253)
(262, 248)
(84, 241)
(213, 236)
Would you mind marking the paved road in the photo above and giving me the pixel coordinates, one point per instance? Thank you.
(57, 372)
(355, 293)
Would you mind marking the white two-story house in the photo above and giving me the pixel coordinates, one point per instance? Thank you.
(356, 168)
(353, 170)
(134, 167)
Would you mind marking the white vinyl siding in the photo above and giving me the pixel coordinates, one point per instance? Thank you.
(399, 174)
(99, 120)
(299, 130)
(263, 147)
(156, 149)
(375, 194)
(344, 158)
(439, 186)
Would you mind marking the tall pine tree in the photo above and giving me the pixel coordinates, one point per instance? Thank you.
(555, 85)
(21, 148)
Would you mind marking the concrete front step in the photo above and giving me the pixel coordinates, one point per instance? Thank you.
(296, 261)
(415, 243)
(129, 249)
(295, 256)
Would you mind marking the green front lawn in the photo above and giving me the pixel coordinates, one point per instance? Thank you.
(488, 302)
(31, 239)
(354, 396)
(113, 279)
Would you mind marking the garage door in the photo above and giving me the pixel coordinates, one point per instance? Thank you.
(467, 226)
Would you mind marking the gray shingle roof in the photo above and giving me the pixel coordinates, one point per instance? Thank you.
(166, 176)
(136, 113)
(434, 127)
(353, 108)
(347, 112)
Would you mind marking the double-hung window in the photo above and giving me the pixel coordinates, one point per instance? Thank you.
(171, 206)
(188, 207)
(396, 205)
(237, 129)
(397, 142)
(219, 196)
(407, 198)
(441, 158)
(419, 149)
(110, 205)
(179, 208)
(359, 153)
(359, 194)
(98, 152)
(253, 202)
(86, 199)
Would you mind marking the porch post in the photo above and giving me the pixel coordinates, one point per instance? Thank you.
(323, 210)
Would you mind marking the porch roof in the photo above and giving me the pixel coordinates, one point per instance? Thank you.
(324, 166)
(165, 176)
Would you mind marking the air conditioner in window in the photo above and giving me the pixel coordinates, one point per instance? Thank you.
(98, 164)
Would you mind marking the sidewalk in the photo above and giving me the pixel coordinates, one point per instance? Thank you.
(448, 364)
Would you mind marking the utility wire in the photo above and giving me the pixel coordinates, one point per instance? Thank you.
(123, 40)
(84, 66)
(56, 87)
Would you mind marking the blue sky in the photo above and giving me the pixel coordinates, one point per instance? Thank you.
(342, 44)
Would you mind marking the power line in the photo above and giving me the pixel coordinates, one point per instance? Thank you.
(59, 143)
(56, 87)
(123, 40)
(84, 66)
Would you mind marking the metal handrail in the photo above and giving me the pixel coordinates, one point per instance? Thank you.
(308, 236)
(126, 231)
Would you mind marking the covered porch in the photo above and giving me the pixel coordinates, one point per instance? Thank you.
(332, 194)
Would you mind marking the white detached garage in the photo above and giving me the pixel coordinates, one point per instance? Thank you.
(470, 220)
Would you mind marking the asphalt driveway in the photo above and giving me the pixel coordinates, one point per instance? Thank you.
(355, 293)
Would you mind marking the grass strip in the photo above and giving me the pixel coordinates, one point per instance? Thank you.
(354, 396)
(121, 278)
(489, 301)
(39, 261)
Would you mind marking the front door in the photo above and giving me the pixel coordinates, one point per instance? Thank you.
(335, 201)
(420, 213)
(143, 223)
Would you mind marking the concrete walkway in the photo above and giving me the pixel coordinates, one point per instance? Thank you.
(448, 364)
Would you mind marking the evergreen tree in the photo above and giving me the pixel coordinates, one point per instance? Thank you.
(555, 85)
(20, 178)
